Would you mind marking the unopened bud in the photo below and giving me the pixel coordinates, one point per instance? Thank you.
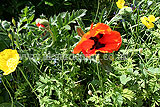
(38, 20)
(44, 22)
(90, 92)
(140, 50)
(125, 11)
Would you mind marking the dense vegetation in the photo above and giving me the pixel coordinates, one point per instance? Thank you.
(45, 32)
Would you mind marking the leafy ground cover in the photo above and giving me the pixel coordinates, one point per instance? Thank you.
(42, 64)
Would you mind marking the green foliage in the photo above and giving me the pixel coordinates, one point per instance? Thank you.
(59, 79)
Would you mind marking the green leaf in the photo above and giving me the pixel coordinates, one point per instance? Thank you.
(128, 94)
(124, 79)
(154, 70)
(64, 18)
(48, 3)
(125, 11)
(67, 27)
(117, 99)
(30, 18)
(59, 21)
(25, 11)
(82, 25)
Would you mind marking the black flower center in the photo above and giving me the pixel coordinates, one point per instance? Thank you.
(97, 44)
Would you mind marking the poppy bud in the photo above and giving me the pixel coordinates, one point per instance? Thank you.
(5, 24)
(44, 22)
(90, 92)
(125, 11)
(38, 20)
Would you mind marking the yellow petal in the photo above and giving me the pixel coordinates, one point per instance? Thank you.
(151, 18)
(9, 60)
(120, 3)
(144, 20)
(150, 25)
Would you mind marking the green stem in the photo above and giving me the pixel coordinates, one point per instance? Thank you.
(105, 63)
(51, 33)
(9, 84)
(28, 82)
(97, 12)
(7, 91)
(100, 79)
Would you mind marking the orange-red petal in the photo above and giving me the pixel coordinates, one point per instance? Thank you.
(100, 28)
(112, 37)
(85, 45)
(99, 39)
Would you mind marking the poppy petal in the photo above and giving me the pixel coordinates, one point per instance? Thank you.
(89, 53)
(83, 45)
(109, 48)
(100, 28)
(112, 37)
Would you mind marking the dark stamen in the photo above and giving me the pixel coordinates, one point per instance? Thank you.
(99, 36)
(97, 44)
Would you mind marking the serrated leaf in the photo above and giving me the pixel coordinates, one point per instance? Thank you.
(25, 11)
(81, 13)
(72, 15)
(128, 94)
(60, 21)
(30, 18)
(67, 27)
(82, 25)
(66, 20)
(117, 98)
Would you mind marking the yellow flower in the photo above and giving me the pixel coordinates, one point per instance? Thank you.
(148, 21)
(120, 4)
(9, 59)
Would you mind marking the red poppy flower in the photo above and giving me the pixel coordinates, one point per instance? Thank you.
(101, 38)
(39, 25)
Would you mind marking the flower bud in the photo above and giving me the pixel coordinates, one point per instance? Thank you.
(125, 11)
(140, 50)
(38, 20)
(5, 24)
(44, 22)
(90, 92)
